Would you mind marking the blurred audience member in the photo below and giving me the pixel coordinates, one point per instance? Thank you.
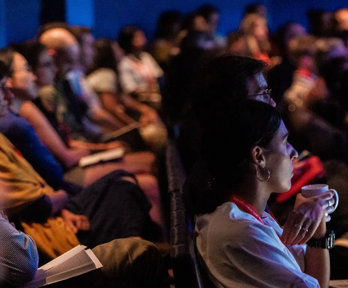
(280, 76)
(255, 28)
(139, 72)
(167, 37)
(341, 17)
(20, 83)
(237, 44)
(332, 61)
(322, 23)
(210, 14)
(301, 53)
(18, 255)
(104, 80)
(85, 38)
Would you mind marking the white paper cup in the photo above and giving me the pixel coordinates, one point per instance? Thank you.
(318, 189)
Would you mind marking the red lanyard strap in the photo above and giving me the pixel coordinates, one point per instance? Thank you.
(246, 207)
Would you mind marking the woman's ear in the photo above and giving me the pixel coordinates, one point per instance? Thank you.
(258, 156)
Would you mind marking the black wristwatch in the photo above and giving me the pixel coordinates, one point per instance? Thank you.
(324, 243)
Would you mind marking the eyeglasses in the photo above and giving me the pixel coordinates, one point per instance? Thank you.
(266, 92)
(263, 96)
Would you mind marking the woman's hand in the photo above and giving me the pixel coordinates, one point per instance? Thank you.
(75, 222)
(304, 220)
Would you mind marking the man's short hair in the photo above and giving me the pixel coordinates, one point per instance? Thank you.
(52, 25)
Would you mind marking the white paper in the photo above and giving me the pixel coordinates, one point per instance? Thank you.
(73, 263)
(101, 156)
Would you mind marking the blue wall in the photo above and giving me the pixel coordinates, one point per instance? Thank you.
(22, 19)
(77, 16)
(3, 30)
(19, 19)
(111, 16)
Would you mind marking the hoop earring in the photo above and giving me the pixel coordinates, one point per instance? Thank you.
(261, 177)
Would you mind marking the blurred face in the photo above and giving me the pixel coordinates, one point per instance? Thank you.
(260, 29)
(67, 58)
(279, 156)
(139, 39)
(45, 70)
(213, 22)
(200, 24)
(258, 89)
(87, 50)
(342, 19)
(4, 95)
(22, 81)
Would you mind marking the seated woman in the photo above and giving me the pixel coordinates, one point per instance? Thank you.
(63, 148)
(240, 243)
(104, 81)
(139, 72)
(256, 32)
(54, 219)
(37, 154)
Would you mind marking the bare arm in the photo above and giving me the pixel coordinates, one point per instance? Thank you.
(97, 146)
(148, 114)
(307, 220)
(111, 104)
(106, 119)
(19, 256)
(49, 136)
(131, 103)
(317, 261)
(58, 200)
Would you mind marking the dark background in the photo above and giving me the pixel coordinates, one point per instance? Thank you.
(20, 19)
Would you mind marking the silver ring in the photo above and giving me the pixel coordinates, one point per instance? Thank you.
(298, 226)
(305, 229)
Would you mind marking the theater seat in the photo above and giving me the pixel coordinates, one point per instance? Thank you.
(183, 257)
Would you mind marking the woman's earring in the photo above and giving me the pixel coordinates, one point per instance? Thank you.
(264, 176)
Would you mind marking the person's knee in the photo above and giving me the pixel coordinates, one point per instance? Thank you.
(126, 257)
(143, 157)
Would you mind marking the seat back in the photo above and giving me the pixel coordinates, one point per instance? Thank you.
(185, 268)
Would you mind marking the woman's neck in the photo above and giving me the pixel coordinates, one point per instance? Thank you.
(256, 195)
(136, 53)
(16, 104)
